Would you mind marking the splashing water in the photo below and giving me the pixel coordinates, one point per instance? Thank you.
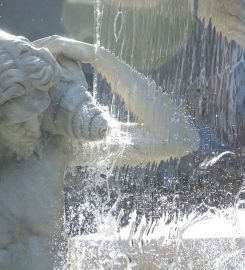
(183, 213)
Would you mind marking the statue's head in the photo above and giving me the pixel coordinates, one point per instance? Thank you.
(24, 67)
(20, 122)
(26, 75)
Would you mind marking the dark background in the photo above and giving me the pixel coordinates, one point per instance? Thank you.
(32, 18)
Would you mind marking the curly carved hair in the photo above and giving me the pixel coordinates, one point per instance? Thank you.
(24, 68)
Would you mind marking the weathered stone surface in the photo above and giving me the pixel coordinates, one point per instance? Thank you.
(35, 150)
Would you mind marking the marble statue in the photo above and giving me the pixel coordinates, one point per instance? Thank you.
(44, 107)
(32, 163)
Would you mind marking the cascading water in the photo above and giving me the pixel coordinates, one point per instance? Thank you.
(185, 213)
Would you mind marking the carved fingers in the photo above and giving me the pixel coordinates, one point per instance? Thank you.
(73, 49)
(54, 43)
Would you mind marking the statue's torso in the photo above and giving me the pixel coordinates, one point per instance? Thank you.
(31, 207)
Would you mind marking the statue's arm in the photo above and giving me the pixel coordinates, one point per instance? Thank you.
(70, 48)
(152, 107)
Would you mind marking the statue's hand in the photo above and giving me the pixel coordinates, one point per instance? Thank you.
(70, 48)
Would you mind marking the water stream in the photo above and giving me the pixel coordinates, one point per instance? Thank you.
(179, 213)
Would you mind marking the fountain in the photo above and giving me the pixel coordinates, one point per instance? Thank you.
(156, 174)
(182, 213)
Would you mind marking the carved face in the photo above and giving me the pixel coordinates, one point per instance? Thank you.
(21, 138)
(26, 75)
(20, 124)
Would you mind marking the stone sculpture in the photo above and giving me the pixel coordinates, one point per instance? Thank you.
(44, 106)
(32, 164)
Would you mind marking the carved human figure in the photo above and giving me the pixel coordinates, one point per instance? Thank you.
(44, 104)
(32, 165)
(44, 100)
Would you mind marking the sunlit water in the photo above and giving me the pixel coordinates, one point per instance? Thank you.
(176, 214)
(208, 242)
